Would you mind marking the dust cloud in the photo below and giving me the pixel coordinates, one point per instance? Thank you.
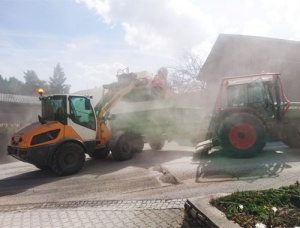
(14, 115)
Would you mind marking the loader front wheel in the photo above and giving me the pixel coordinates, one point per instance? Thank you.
(99, 153)
(68, 159)
(242, 135)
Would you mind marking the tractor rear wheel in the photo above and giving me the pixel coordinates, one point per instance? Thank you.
(242, 135)
(294, 140)
(99, 153)
(68, 159)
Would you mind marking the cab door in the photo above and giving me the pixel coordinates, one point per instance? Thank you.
(82, 117)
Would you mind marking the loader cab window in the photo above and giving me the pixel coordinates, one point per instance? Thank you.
(81, 112)
(54, 108)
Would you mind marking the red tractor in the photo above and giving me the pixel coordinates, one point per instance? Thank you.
(249, 111)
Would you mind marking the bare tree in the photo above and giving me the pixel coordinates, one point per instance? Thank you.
(183, 75)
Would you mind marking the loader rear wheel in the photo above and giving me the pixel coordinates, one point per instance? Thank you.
(68, 159)
(294, 140)
(43, 167)
(123, 148)
(242, 135)
(138, 144)
(156, 144)
(99, 153)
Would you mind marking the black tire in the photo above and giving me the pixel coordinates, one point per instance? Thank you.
(294, 140)
(43, 167)
(99, 153)
(68, 159)
(138, 144)
(242, 135)
(123, 148)
(156, 144)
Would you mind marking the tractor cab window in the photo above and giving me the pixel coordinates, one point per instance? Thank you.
(256, 94)
(275, 94)
(81, 112)
(236, 95)
(54, 109)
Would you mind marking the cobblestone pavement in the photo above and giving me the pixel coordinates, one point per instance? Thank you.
(139, 213)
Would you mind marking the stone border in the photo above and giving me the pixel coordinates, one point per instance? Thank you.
(112, 205)
(200, 213)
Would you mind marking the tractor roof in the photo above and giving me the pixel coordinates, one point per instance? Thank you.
(249, 78)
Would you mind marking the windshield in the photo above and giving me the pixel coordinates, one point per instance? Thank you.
(81, 112)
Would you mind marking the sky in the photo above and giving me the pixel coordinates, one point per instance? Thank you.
(93, 39)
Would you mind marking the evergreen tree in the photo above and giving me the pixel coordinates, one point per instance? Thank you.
(33, 83)
(11, 86)
(57, 82)
(3, 85)
(15, 86)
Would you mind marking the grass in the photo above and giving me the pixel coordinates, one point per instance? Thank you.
(272, 207)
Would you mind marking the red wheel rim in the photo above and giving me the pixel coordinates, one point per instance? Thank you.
(242, 136)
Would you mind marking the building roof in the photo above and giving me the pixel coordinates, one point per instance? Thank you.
(235, 55)
(11, 98)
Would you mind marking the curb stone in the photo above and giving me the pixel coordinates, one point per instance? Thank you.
(104, 205)
(200, 213)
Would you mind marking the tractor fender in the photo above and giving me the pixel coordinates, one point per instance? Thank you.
(250, 111)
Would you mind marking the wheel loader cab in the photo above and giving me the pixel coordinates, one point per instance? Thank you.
(69, 110)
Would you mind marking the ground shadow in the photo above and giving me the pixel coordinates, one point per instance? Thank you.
(216, 166)
(17, 183)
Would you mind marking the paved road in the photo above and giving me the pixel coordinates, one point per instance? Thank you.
(172, 174)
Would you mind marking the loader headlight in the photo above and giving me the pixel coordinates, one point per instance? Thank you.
(16, 139)
(44, 137)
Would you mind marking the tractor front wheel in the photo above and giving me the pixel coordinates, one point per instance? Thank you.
(242, 135)
(293, 140)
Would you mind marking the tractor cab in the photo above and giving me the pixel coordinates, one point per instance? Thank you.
(248, 111)
(260, 93)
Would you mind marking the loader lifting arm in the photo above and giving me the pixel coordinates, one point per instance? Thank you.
(111, 99)
(128, 88)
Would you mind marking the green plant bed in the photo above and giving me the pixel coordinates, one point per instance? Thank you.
(272, 207)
